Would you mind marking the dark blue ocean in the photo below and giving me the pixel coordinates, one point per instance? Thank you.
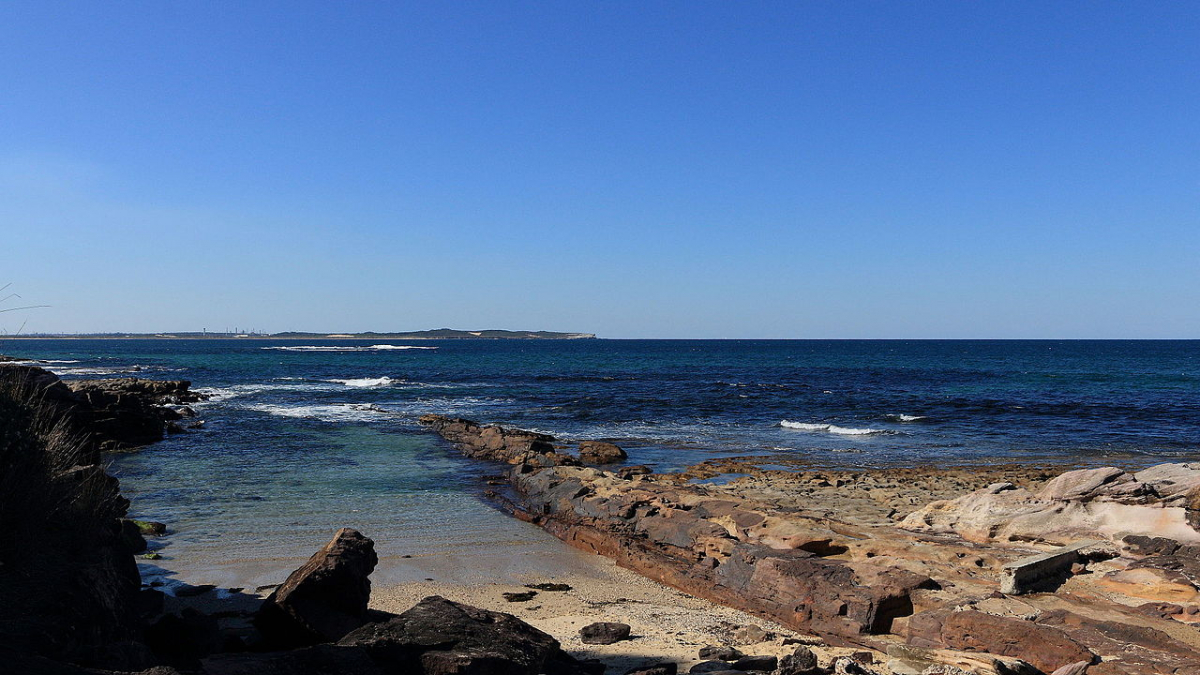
(303, 436)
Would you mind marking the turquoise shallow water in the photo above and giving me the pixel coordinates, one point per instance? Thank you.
(304, 437)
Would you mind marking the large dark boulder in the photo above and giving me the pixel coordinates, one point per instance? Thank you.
(182, 639)
(604, 633)
(441, 637)
(315, 660)
(324, 599)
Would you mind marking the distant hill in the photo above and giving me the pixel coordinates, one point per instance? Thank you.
(435, 334)
(449, 334)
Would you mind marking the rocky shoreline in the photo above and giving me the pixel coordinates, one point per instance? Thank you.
(919, 571)
(79, 607)
(1023, 570)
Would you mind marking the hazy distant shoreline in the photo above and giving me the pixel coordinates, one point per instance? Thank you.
(437, 334)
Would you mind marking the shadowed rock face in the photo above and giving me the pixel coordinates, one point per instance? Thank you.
(435, 637)
(324, 599)
(129, 412)
(68, 581)
(115, 414)
(440, 637)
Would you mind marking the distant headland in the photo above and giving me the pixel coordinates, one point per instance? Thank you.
(435, 334)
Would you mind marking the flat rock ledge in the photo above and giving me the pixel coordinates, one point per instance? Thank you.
(925, 591)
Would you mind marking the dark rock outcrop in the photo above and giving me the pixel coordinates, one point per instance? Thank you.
(68, 581)
(324, 659)
(130, 412)
(756, 663)
(604, 633)
(440, 637)
(800, 662)
(324, 599)
(113, 414)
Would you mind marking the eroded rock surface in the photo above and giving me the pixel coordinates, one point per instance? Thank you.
(1082, 504)
(865, 558)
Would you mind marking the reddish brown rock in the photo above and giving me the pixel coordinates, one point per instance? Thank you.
(325, 598)
(498, 444)
(819, 552)
(600, 452)
(1045, 647)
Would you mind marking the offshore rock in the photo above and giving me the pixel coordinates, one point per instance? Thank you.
(498, 444)
(600, 452)
(324, 599)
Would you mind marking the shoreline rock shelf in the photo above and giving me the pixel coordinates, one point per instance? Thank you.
(991, 571)
(930, 583)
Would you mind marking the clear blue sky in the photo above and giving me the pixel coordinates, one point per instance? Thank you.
(636, 169)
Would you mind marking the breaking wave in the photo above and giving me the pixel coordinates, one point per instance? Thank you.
(906, 418)
(366, 381)
(329, 412)
(832, 429)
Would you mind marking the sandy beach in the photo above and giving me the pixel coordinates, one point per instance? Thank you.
(667, 625)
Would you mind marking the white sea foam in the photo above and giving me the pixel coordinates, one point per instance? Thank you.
(36, 362)
(831, 429)
(326, 412)
(216, 394)
(366, 381)
(906, 418)
(448, 405)
(331, 348)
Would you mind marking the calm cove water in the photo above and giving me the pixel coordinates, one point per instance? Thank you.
(302, 437)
